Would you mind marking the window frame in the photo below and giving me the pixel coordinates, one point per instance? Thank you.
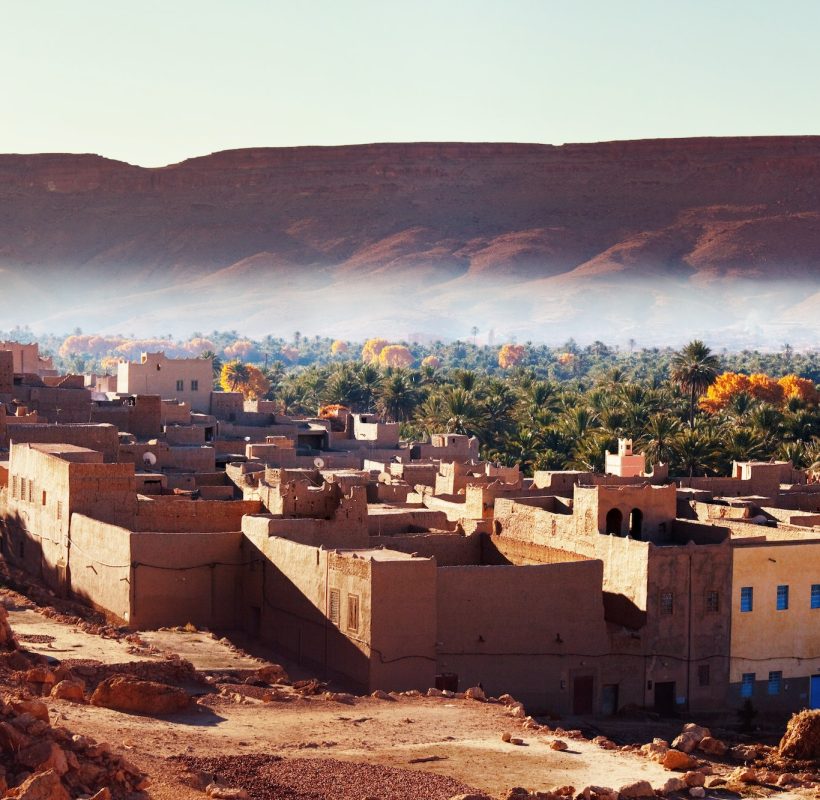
(775, 681)
(353, 618)
(747, 599)
(782, 597)
(814, 596)
(747, 687)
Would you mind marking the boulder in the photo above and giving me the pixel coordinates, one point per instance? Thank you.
(697, 791)
(785, 779)
(475, 693)
(43, 756)
(715, 782)
(637, 789)
(124, 693)
(690, 737)
(37, 709)
(655, 749)
(272, 673)
(558, 744)
(676, 760)
(598, 793)
(673, 785)
(73, 691)
(712, 746)
(7, 640)
(380, 694)
(745, 752)
(42, 786)
(742, 775)
(694, 778)
(802, 738)
(11, 738)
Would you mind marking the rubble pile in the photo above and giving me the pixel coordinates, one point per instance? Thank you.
(41, 761)
(264, 776)
(801, 742)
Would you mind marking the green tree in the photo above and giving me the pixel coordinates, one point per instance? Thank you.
(694, 369)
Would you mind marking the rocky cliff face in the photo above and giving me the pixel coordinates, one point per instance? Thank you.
(443, 220)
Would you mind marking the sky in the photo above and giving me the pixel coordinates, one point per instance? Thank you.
(154, 83)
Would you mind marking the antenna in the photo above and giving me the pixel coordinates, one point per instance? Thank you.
(318, 463)
(149, 459)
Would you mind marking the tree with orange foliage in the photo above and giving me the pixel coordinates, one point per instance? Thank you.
(762, 387)
(239, 377)
(337, 347)
(509, 355)
(802, 388)
(725, 386)
(431, 361)
(372, 349)
(395, 355)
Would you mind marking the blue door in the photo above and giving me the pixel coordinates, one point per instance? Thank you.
(814, 696)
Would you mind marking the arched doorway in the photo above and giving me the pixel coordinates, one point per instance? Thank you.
(614, 520)
(636, 523)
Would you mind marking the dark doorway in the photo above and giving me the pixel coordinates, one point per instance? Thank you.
(582, 694)
(609, 699)
(636, 523)
(614, 520)
(665, 698)
(447, 681)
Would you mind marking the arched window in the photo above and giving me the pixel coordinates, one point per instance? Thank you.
(614, 519)
(636, 523)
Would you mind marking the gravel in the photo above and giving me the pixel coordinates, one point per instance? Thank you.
(268, 777)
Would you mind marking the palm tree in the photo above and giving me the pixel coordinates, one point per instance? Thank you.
(397, 397)
(694, 369)
(658, 438)
(236, 374)
(695, 451)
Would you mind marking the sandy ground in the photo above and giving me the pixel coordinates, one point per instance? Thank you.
(457, 738)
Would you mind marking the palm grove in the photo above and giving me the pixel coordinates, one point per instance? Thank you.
(559, 408)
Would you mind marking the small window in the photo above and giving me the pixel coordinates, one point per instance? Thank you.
(782, 598)
(667, 603)
(353, 612)
(815, 595)
(746, 598)
(713, 601)
(775, 681)
(703, 675)
(335, 604)
(44, 496)
(180, 386)
(14, 487)
(747, 684)
(194, 386)
(59, 509)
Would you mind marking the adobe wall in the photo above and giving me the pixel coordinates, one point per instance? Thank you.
(100, 563)
(523, 630)
(156, 374)
(140, 415)
(55, 405)
(186, 577)
(448, 549)
(286, 591)
(386, 521)
(6, 371)
(174, 412)
(106, 492)
(403, 624)
(185, 435)
(192, 459)
(171, 515)
(26, 358)
(102, 438)
(313, 532)
(500, 550)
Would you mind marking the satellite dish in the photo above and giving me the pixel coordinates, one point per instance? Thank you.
(149, 459)
(247, 438)
(318, 463)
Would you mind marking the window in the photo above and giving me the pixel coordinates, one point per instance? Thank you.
(194, 386)
(782, 598)
(59, 509)
(14, 481)
(815, 595)
(713, 601)
(335, 604)
(180, 386)
(353, 612)
(746, 598)
(747, 685)
(775, 680)
(703, 675)
(667, 603)
(44, 496)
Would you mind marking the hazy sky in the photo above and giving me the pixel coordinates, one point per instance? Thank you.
(155, 82)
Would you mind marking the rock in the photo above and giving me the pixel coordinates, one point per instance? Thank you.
(40, 674)
(637, 789)
(743, 775)
(656, 749)
(767, 776)
(198, 780)
(272, 673)
(475, 693)
(558, 744)
(785, 779)
(697, 791)
(433, 692)
(380, 694)
(597, 793)
(12, 739)
(714, 782)
(471, 796)
(745, 752)
(37, 709)
(673, 785)
(517, 741)
(604, 743)
(124, 693)
(802, 738)
(42, 786)
(694, 778)
(507, 700)
(517, 710)
(690, 737)
(712, 746)
(73, 691)
(676, 760)
(224, 793)
(42, 756)
(505, 737)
